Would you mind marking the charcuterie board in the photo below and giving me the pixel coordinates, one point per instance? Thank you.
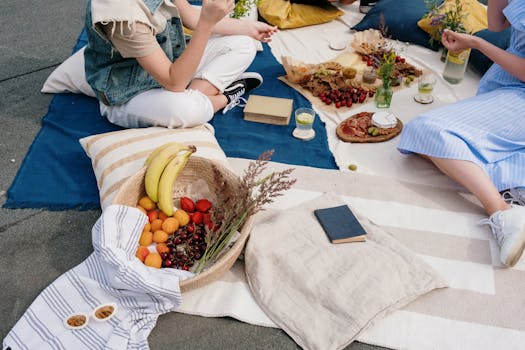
(358, 128)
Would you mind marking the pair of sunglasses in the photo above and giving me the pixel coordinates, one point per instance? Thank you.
(101, 313)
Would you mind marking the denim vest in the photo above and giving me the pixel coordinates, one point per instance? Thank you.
(115, 79)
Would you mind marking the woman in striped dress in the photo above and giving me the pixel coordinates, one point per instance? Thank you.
(480, 142)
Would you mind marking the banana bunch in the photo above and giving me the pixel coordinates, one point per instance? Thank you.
(163, 166)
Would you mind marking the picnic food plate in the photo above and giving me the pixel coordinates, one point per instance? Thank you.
(357, 129)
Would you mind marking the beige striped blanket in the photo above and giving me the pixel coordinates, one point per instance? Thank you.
(483, 307)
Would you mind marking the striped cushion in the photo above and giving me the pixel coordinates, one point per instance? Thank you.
(117, 155)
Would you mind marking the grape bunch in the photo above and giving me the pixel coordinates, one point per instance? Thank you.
(345, 97)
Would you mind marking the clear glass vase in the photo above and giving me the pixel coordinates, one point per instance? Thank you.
(455, 66)
(383, 96)
(444, 53)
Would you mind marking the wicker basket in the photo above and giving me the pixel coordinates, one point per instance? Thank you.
(197, 168)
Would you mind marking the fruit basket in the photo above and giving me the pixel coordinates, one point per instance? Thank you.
(198, 172)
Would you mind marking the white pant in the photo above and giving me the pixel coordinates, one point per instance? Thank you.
(224, 59)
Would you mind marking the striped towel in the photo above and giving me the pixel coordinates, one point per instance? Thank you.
(111, 273)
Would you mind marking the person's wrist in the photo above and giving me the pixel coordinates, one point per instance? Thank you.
(476, 42)
(204, 26)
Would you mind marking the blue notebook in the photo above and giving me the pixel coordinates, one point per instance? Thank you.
(340, 224)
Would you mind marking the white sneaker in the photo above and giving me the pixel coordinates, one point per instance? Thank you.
(514, 196)
(508, 227)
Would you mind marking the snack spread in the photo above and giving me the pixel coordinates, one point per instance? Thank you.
(351, 77)
(360, 128)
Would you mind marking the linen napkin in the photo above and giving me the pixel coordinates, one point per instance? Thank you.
(113, 274)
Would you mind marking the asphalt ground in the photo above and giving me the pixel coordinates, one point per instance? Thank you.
(37, 246)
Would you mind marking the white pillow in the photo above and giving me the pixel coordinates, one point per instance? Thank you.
(69, 76)
(117, 155)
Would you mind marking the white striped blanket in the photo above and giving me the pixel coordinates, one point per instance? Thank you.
(111, 273)
(482, 308)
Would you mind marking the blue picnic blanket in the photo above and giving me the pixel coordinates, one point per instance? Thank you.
(56, 174)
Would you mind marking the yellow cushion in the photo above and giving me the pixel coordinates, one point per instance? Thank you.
(285, 15)
(475, 20)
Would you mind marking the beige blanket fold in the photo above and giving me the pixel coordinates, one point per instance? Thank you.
(323, 295)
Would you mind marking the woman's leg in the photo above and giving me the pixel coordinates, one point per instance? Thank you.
(506, 222)
(473, 178)
(160, 107)
(217, 99)
(224, 60)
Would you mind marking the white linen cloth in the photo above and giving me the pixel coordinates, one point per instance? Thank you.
(111, 273)
(324, 295)
(440, 225)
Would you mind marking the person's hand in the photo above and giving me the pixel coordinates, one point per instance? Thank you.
(213, 11)
(456, 42)
(259, 30)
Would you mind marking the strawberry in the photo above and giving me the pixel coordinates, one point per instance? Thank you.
(187, 205)
(203, 205)
(197, 218)
(206, 219)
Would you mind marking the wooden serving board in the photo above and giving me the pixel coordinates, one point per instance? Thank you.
(348, 59)
(391, 133)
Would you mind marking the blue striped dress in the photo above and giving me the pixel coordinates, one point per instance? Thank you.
(487, 129)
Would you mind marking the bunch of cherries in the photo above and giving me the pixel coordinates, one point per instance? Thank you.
(188, 243)
(345, 97)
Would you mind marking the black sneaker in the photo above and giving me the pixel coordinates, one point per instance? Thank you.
(247, 82)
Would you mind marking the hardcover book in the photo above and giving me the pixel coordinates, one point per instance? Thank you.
(269, 110)
(340, 224)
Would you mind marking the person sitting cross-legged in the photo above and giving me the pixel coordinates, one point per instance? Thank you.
(145, 74)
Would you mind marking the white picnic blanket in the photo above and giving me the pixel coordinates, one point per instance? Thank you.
(111, 274)
(410, 198)
(481, 308)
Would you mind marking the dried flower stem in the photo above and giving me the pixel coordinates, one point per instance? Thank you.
(243, 201)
